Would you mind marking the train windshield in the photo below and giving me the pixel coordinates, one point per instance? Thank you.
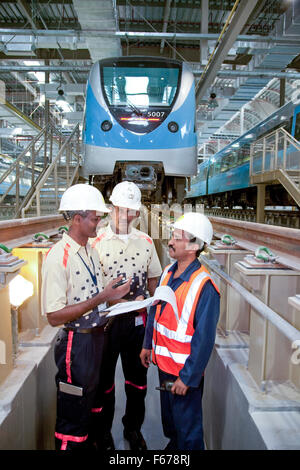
(140, 94)
(141, 86)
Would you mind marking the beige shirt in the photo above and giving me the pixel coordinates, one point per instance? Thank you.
(66, 280)
(133, 256)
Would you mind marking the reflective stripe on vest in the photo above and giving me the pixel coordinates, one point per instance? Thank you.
(171, 343)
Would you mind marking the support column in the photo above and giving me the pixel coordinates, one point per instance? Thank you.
(242, 117)
(282, 92)
(204, 30)
(260, 204)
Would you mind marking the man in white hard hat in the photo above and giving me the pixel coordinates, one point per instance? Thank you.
(73, 296)
(125, 251)
(181, 346)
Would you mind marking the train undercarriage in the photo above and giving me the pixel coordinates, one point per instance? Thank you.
(280, 207)
(245, 198)
(156, 187)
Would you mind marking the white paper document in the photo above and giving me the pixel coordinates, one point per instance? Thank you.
(164, 293)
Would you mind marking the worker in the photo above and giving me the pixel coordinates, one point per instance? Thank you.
(126, 251)
(73, 295)
(181, 345)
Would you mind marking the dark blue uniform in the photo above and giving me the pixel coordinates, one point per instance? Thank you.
(182, 415)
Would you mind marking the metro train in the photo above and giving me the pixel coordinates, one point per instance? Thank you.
(223, 180)
(139, 125)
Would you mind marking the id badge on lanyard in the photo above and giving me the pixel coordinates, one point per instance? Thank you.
(92, 274)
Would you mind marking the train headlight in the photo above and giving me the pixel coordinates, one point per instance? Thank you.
(106, 126)
(173, 126)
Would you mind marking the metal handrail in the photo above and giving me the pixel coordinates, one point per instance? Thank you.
(21, 156)
(27, 149)
(18, 210)
(287, 135)
(51, 168)
(288, 139)
(262, 309)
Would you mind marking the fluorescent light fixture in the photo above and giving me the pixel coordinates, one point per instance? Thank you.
(42, 99)
(40, 76)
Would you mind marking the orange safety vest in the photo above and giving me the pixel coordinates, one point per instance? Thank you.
(171, 343)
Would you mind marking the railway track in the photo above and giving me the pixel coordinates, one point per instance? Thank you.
(282, 218)
(284, 241)
(16, 232)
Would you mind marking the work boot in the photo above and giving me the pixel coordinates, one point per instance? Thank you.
(136, 440)
(106, 444)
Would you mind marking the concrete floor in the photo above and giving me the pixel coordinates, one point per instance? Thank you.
(152, 428)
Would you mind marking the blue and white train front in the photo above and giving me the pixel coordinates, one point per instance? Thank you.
(140, 122)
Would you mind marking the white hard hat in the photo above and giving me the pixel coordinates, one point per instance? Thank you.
(195, 224)
(126, 194)
(82, 197)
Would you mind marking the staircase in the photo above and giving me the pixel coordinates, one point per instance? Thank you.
(51, 192)
(33, 183)
(291, 181)
(276, 158)
(61, 173)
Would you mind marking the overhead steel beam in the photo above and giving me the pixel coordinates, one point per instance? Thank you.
(86, 68)
(166, 21)
(27, 13)
(240, 17)
(204, 30)
(295, 40)
(250, 73)
(44, 68)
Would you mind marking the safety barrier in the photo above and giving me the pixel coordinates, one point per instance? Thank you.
(274, 342)
(277, 150)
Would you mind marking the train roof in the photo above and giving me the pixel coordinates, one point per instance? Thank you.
(138, 58)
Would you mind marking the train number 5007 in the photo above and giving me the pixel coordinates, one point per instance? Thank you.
(159, 114)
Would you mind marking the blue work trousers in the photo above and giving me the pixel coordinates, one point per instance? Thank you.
(78, 359)
(182, 416)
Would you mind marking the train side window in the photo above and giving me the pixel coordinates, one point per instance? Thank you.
(225, 163)
(217, 167)
(203, 174)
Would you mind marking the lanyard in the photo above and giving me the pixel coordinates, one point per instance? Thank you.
(93, 275)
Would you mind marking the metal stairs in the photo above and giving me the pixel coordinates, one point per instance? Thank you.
(276, 158)
(290, 179)
(33, 183)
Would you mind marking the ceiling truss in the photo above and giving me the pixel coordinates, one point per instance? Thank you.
(234, 47)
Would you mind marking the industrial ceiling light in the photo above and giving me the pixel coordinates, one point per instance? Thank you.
(60, 99)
